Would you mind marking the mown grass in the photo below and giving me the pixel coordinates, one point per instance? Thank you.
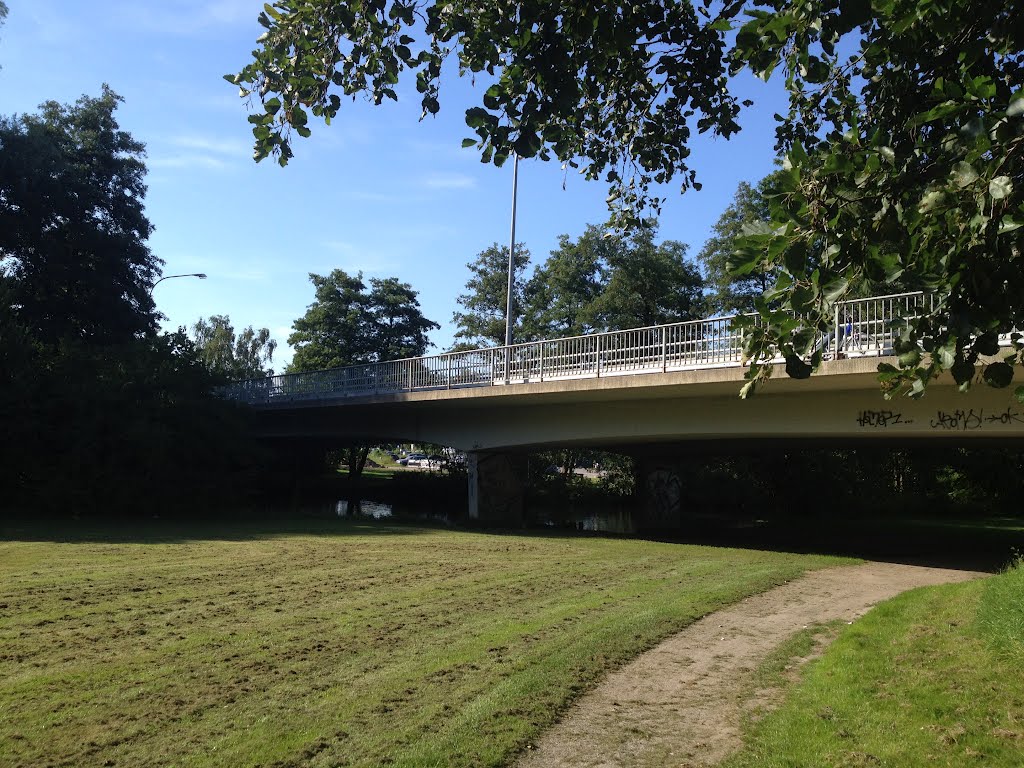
(934, 677)
(331, 643)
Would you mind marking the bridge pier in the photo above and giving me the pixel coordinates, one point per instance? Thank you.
(497, 488)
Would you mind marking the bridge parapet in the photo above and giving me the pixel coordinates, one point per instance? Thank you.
(862, 328)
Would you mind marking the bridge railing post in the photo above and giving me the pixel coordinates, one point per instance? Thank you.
(448, 371)
(597, 362)
(540, 355)
(664, 348)
(835, 330)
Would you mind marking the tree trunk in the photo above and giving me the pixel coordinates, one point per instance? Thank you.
(355, 457)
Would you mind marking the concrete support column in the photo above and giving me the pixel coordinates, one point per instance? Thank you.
(660, 486)
(497, 487)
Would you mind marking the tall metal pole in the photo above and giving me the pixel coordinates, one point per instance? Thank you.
(511, 254)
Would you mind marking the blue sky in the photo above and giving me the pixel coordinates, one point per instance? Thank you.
(376, 191)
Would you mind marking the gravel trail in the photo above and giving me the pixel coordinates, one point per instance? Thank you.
(682, 702)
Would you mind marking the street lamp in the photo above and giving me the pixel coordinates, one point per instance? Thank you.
(509, 308)
(200, 275)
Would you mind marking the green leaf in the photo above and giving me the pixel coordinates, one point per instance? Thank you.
(998, 375)
(476, 117)
(1019, 394)
(835, 289)
(797, 368)
(910, 358)
(963, 174)
(1016, 105)
(468, 143)
(1000, 187)
(987, 344)
(962, 371)
(931, 201)
(946, 355)
(743, 262)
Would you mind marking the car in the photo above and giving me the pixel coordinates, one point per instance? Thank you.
(413, 460)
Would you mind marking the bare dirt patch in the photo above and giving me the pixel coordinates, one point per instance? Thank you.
(682, 702)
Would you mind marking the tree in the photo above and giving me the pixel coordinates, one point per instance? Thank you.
(73, 229)
(349, 325)
(555, 76)
(559, 296)
(400, 330)
(903, 137)
(482, 323)
(232, 357)
(336, 328)
(99, 410)
(904, 163)
(728, 293)
(647, 284)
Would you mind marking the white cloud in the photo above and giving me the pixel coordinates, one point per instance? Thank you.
(246, 275)
(187, 160)
(447, 181)
(188, 17)
(196, 152)
(370, 196)
(339, 245)
(232, 147)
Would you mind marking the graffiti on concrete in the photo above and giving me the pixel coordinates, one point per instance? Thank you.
(881, 419)
(959, 420)
(952, 420)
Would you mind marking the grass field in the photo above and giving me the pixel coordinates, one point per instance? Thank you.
(934, 677)
(329, 643)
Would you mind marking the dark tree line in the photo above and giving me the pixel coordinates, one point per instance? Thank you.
(101, 412)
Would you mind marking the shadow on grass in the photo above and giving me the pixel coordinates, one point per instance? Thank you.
(170, 531)
(986, 544)
(964, 544)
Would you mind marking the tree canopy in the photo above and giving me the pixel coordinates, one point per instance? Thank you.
(598, 282)
(101, 413)
(904, 166)
(648, 284)
(729, 293)
(73, 228)
(560, 295)
(616, 89)
(902, 141)
(231, 356)
(481, 322)
(348, 324)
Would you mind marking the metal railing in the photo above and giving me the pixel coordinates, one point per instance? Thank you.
(862, 327)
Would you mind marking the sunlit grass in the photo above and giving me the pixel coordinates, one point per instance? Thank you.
(331, 644)
(934, 677)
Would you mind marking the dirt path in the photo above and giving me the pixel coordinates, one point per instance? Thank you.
(681, 703)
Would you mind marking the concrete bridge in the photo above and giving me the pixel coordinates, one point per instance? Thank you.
(628, 390)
